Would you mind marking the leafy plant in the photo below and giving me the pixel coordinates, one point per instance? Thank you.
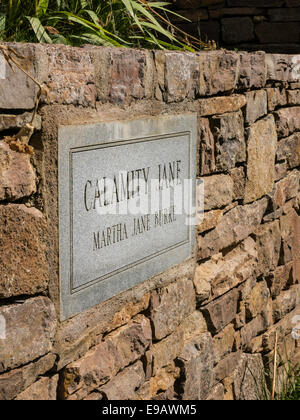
(283, 383)
(121, 23)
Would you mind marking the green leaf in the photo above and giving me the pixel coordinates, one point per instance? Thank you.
(93, 16)
(84, 3)
(128, 5)
(2, 22)
(96, 40)
(39, 30)
(60, 39)
(41, 7)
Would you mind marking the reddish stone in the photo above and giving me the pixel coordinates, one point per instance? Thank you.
(72, 77)
(16, 381)
(182, 76)
(289, 149)
(222, 311)
(207, 148)
(268, 243)
(100, 364)
(252, 72)
(127, 69)
(234, 226)
(196, 362)
(218, 72)
(45, 389)
(23, 246)
(17, 176)
(124, 385)
(287, 121)
(30, 329)
(170, 306)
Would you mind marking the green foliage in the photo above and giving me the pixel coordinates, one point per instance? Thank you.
(121, 23)
(287, 383)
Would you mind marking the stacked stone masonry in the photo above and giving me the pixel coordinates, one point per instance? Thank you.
(270, 25)
(206, 328)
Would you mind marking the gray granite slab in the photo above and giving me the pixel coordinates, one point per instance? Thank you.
(124, 200)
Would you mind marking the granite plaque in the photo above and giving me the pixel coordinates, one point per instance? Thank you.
(126, 200)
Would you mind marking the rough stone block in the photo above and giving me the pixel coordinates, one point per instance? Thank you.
(239, 183)
(192, 326)
(72, 77)
(222, 311)
(230, 146)
(218, 191)
(99, 365)
(224, 273)
(207, 148)
(287, 121)
(129, 311)
(286, 302)
(290, 231)
(210, 220)
(247, 378)
(281, 170)
(262, 144)
(170, 306)
(235, 226)
(160, 386)
(221, 105)
(289, 149)
(286, 189)
(257, 300)
(225, 368)
(277, 33)
(182, 76)
(284, 15)
(283, 328)
(276, 97)
(127, 73)
(256, 327)
(256, 105)
(252, 72)
(196, 362)
(124, 385)
(217, 393)
(45, 389)
(223, 342)
(17, 91)
(16, 381)
(219, 71)
(23, 260)
(293, 97)
(30, 329)
(282, 67)
(17, 176)
(10, 121)
(280, 279)
(164, 352)
(268, 242)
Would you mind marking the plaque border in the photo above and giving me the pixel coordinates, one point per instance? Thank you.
(74, 290)
(111, 133)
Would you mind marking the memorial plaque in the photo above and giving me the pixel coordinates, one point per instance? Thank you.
(126, 199)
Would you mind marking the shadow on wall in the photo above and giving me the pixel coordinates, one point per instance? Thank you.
(269, 25)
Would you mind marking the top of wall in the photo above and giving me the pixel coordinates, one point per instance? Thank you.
(83, 76)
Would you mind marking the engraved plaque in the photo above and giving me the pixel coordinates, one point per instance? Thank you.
(126, 194)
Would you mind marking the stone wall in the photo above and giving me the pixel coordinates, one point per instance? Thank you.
(270, 25)
(201, 330)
